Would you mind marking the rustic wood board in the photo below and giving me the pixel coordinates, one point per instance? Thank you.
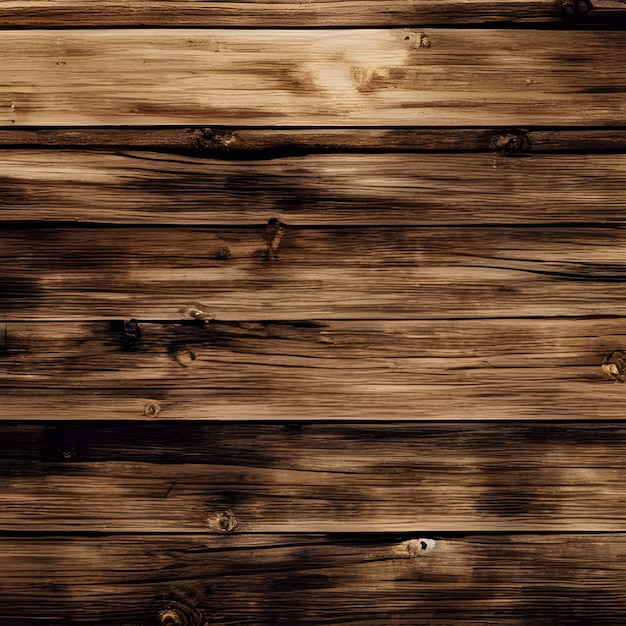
(308, 356)
(324, 189)
(313, 13)
(265, 143)
(375, 77)
(287, 273)
(197, 477)
(427, 370)
(314, 579)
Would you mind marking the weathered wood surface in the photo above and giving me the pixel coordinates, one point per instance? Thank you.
(325, 189)
(191, 477)
(313, 13)
(571, 580)
(378, 77)
(264, 143)
(308, 355)
(282, 273)
(428, 370)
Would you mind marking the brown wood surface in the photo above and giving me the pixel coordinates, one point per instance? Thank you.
(571, 580)
(426, 370)
(286, 273)
(142, 477)
(313, 13)
(375, 77)
(265, 143)
(322, 189)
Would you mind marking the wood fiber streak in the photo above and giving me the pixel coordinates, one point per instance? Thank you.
(299, 477)
(314, 579)
(259, 142)
(329, 189)
(313, 13)
(428, 370)
(381, 77)
(284, 273)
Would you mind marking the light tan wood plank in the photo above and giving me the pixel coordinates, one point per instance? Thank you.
(299, 477)
(313, 13)
(314, 579)
(427, 370)
(324, 189)
(379, 77)
(287, 273)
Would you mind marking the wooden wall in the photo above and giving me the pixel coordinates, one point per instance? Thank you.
(312, 313)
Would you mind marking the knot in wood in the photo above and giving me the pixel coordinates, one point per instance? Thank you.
(418, 40)
(185, 357)
(414, 547)
(272, 236)
(576, 8)
(510, 142)
(209, 139)
(614, 366)
(152, 408)
(131, 334)
(223, 522)
(198, 314)
(177, 614)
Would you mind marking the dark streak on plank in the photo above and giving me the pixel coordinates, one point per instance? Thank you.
(316, 579)
(300, 477)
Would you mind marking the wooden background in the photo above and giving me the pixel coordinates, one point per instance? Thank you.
(304, 313)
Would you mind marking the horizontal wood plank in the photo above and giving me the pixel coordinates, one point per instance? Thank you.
(284, 273)
(298, 477)
(264, 143)
(284, 580)
(278, 13)
(325, 189)
(427, 370)
(378, 77)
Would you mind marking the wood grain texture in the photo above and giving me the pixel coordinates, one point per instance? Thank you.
(292, 580)
(325, 189)
(197, 477)
(428, 370)
(226, 142)
(313, 13)
(284, 273)
(458, 77)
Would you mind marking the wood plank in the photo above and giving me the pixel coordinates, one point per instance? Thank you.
(298, 477)
(281, 13)
(223, 142)
(427, 370)
(325, 189)
(304, 355)
(314, 579)
(283, 273)
(376, 77)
